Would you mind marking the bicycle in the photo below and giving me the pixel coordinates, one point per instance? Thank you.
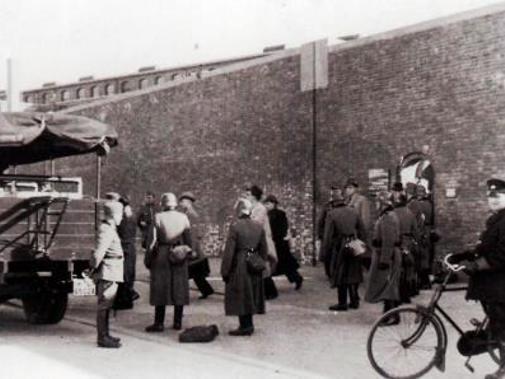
(417, 340)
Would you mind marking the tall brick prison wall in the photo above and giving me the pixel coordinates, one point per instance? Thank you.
(441, 86)
(213, 137)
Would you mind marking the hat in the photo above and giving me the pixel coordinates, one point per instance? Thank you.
(351, 182)
(496, 185)
(125, 200)
(271, 199)
(243, 206)
(187, 195)
(398, 186)
(112, 196)
(168, 199)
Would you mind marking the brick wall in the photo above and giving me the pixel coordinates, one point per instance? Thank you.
(440, 85)
(212, 137)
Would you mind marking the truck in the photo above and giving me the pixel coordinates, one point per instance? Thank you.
(47, 224)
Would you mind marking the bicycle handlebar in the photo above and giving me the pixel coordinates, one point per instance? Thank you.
(452, 267)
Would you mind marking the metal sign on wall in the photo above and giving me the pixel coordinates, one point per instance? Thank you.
(314, 65)
(378, 180)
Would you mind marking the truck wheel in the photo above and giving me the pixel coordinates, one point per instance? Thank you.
(46, 307)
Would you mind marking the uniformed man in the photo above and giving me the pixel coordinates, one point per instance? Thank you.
(357, 201)
(107, 265)
(343, 224)
(426, 228)
(486, 267)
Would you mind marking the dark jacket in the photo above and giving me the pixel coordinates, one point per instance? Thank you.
(343, 223)
(488, 286)
(279, 225)
(322, 219)
(145, 222)
(244, 294)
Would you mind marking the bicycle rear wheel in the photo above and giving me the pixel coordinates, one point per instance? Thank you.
(408, 348)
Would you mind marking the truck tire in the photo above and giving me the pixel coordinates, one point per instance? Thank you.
(46, 307)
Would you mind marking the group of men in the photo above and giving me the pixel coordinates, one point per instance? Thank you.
(419, 207)
(114, 258)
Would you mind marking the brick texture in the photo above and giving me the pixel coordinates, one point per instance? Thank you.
(442, 86)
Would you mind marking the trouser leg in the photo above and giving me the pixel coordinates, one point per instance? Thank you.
(203, 286)
(178, 312)
(159, 314)
(342, 295)
(354, 295)
(270, 288)
(101, 324)
(293, 276)
(106, 292)
(246, 321)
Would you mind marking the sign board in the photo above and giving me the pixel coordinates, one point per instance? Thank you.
(314, 65)
(378, 180)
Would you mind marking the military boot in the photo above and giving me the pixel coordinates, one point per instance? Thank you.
(103, 340)
(159, 320)
(178, 312)
(117, 339)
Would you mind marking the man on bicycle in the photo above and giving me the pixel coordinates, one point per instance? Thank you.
(485, 265)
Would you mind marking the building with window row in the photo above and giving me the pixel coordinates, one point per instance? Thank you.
(52, 96)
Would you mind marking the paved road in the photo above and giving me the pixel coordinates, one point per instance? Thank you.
(297, 338)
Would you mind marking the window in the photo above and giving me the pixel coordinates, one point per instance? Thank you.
(109, 89)
(158, 80)
(43, 98)
(65, 95)
(81, 93)
(95, 91)
(143, 83)
(125, 86)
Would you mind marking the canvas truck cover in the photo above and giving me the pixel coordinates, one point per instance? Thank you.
(31, 137)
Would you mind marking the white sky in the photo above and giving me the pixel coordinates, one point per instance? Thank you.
(62, 40)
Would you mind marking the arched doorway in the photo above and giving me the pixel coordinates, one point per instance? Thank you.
(416, 168)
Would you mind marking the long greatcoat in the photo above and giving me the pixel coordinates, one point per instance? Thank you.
(170, 282)
(384, 284)
(343, 223)
(279, 226)
(409, 237)
(244, 293)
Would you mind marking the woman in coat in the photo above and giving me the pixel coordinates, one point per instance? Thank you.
(342, 225)
(287, 263)
(386, 266)
(169, 281)
(244, 293)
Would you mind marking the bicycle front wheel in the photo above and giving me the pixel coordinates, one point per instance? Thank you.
(405, 343)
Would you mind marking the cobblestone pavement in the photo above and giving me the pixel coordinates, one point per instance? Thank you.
(298, 337)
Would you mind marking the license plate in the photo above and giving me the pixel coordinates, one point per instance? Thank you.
(83, 287)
